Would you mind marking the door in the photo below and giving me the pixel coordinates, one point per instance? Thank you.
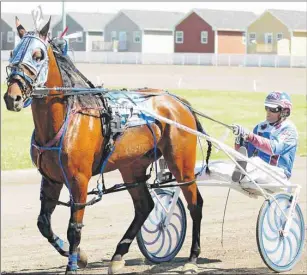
(122, 41)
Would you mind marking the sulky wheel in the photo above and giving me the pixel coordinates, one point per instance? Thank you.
(159, 244)
(280, 252)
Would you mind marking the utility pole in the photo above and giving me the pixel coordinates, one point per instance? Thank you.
(63, 16)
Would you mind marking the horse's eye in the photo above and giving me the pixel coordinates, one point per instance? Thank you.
(38, 55)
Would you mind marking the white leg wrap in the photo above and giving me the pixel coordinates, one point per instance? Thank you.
(125, 241)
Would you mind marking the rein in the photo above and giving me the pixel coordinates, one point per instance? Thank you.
(44, 92)
(200, 113)
(66, 91)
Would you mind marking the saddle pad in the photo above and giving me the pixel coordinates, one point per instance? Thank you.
(123, 104)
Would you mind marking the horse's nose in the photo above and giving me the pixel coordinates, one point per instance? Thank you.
(13, 102)
(14, 98)
(17, 98)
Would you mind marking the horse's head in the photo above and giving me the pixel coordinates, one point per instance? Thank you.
(28, 67)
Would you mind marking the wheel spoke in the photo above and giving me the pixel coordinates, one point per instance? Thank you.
(176, 231)
(170, 243)
(283, 251)
(150, 231)
(152, 242)
(276, 248)
(290, 248)
(161, 246)
(269, 220)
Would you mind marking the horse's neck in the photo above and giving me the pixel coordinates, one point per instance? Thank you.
(49, 113)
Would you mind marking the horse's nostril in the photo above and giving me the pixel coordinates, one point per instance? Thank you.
(18, 98)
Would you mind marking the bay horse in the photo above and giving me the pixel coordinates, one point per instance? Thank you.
(36, 62)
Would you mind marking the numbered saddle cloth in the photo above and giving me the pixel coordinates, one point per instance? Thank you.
(125, 107)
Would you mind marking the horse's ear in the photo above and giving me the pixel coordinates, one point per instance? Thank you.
(20, 29)
(44, 31)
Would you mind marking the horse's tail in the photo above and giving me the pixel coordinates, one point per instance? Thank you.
(200, 129)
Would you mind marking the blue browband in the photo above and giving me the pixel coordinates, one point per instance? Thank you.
(23, 75)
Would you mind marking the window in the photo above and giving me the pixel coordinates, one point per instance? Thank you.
(252, 38)
(204, 37)
(179, 37)
(244, 38)
(279, 36)
(79, 39)
(10, 37)
(137, 37)
(94, 33)
(268, 38)
(113, 35)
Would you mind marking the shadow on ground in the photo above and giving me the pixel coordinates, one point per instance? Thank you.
(153, 268)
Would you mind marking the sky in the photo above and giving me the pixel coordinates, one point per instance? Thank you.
(114, 7)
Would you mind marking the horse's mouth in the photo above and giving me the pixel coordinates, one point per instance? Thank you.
(17, 109)
(11, 105)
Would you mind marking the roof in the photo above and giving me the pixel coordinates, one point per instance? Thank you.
(154, 20)
(26, 20)
(294, 20)
(226, 20)
(91, 21)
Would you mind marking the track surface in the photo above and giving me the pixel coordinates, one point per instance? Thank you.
(24, 250)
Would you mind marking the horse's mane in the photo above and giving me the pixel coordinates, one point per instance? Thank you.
(71, 78)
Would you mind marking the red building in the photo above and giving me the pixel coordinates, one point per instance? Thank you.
(212, 31)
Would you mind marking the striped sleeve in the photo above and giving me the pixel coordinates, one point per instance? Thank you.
(276, 145)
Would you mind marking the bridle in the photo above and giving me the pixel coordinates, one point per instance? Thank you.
(25, 82)
(15, 70)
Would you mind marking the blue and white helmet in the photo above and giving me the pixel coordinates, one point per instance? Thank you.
(277, 99)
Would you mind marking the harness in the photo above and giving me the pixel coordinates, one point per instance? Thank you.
(109, 133)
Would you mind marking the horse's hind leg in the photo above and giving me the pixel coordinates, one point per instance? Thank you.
(143, 205)
(180, 158)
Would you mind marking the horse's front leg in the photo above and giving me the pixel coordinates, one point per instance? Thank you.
(50, 193)
(49, 196)
(79, 195)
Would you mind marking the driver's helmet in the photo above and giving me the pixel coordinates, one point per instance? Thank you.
(280, 100)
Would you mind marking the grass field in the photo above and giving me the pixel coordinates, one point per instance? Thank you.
(244, 108)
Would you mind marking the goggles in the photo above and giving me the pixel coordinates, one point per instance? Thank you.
(273, 110)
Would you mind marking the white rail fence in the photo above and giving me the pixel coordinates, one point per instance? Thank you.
(242, 60)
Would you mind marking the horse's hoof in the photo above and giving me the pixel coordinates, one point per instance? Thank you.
(190, 268)
(82, 258)
(116, 266)
(70, 272)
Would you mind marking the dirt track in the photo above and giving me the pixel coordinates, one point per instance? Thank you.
(24, 250)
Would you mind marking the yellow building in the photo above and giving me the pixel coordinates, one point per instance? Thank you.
(281, 32)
